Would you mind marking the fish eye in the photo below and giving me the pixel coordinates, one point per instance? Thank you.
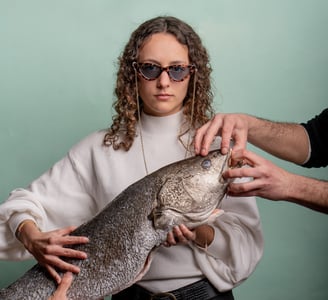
(206, 163)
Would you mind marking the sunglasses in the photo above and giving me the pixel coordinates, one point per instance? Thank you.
(151, 71)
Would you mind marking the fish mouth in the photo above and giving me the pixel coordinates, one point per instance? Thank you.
(225, 165)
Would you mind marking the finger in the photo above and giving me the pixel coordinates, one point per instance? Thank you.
(226, 135)
(246, 189)
(240, 158)
(240, 172)
(65, 283)
(63, 287)
(179, 235)
(68, 240)
(56, 246)
(55, 261)
(65, 230)
(187, 233)
(170, 239)
(200, 132)
(53, 273)
(208, 139)
(251, 158)
(66, 252)
(243, 187)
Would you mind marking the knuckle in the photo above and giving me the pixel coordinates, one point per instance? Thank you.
(225, 130)
(48, 249)
(52, 240)
(241, 188)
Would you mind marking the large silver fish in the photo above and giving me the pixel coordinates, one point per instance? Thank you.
(125, 234)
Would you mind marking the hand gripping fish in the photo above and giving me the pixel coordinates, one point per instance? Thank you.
(125, 234)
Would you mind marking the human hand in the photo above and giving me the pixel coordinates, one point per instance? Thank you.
(269, 181)
(49, 247)
(229, 126)
(202, 235)
(60, 293)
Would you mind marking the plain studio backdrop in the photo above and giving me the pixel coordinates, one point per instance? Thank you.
(269, 58)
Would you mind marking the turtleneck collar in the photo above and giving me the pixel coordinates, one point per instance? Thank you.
(170, 124)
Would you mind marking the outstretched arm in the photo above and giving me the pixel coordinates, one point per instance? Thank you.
(274, 183)
(285, 140)
(288, 141)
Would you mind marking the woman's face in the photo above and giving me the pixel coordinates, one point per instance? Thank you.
(163, 96)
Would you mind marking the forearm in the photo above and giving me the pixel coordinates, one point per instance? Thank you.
(287, 141)
(308, 192)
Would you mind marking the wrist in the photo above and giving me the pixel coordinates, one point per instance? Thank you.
(25, 227)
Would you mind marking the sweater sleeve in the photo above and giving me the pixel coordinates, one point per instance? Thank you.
(56, 199)
(237, 246)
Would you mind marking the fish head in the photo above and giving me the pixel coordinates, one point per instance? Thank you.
(191, 189)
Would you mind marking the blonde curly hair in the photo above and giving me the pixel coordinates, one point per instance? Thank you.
(122, 132)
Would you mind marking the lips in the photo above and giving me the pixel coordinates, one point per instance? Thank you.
(163, 96)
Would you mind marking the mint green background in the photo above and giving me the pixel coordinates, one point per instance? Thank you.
(270, 58)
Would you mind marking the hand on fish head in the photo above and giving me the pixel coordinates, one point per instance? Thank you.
(191, 191)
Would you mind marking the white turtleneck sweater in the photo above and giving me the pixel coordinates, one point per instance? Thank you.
(91, 175)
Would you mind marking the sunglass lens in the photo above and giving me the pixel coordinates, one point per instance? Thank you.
(150, 71)
(178, 73)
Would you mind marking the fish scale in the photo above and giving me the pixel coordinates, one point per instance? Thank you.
(131, 227)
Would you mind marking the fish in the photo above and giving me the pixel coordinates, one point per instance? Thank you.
(124, 236)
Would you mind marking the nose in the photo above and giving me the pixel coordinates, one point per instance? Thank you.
(164, 79)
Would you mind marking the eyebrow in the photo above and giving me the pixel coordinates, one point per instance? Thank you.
(175, 62)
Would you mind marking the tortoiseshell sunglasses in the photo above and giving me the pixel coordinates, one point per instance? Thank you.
(150, 71)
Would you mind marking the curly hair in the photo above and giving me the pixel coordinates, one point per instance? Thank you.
(122, 132)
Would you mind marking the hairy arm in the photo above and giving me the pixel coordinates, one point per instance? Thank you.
(287, 141)
(309, 192)
(274, 183)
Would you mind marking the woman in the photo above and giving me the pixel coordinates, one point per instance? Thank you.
(163, 93)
